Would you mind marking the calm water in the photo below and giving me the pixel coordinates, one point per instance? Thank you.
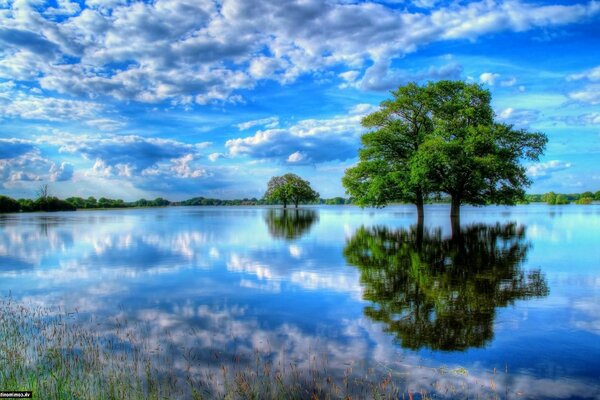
(517, 291)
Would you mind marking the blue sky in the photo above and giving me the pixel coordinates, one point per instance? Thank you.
(184, 98)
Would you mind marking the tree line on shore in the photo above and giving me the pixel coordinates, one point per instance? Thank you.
(8, 204)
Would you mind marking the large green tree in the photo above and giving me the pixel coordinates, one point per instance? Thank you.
(441, 138)
(469, 156)
(386, 171)
(290, 188)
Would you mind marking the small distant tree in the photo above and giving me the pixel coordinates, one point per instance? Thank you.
(597, 195)
(43, 194)
(290, 188)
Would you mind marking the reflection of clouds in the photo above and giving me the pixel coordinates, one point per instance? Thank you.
(589, 320)
(26, 248)
(295, 251)
(300, 271)
(332, 281)
(238, 263)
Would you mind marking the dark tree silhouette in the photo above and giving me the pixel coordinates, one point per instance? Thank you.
(442, 293)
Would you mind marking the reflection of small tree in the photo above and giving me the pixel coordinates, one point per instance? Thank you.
(442, 293)
(290, 224)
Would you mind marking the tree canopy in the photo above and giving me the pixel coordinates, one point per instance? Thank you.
(290, 188)
(386, 171)
(441, 138)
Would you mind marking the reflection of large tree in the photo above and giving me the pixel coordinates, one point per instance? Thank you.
(290, 224)
(442, 293)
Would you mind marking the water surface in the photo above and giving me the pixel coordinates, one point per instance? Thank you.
(517, 291)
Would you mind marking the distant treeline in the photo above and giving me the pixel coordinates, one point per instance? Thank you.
(203, 201)
(51, 203)
(561, 198)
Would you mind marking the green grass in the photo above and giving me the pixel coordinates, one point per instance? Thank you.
(50, 353)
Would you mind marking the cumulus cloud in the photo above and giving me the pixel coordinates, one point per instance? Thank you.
(130, 155)
(190, 50)
(306, 142)
(545, 170)
(23, 161)
(521, 117)
(64, 172)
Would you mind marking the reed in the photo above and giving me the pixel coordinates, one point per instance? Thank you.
(52, 354)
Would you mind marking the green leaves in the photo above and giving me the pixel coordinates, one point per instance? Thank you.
(441, 137)
(290, 188)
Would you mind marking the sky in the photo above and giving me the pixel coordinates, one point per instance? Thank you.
(185, 98)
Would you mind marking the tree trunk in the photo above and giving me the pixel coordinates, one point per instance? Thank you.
(455, 215)
(284, 203)
(420, 207)
(296, 203)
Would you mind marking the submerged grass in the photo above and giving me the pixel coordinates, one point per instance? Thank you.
(51, 354)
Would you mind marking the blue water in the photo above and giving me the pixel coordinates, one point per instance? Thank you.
(515, 297)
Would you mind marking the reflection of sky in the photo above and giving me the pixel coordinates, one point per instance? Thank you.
(218, 273)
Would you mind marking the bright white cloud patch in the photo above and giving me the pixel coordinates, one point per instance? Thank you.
(489, 78)
(22, 161)
(589, 94)
(592, 75)
(519, 117)
(545, 170)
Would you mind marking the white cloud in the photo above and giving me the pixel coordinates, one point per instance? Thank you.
(588, 94)
(592, 118)
(591, 75)
(306, 142)
(380, 76)
(296, 157)
(520, 117)
(48, 108)
(508, 82)
(270, 122)
(202, 51)
(215, 156)
(489, 78)
(545, 170)
(22, 161)
(64, 172)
